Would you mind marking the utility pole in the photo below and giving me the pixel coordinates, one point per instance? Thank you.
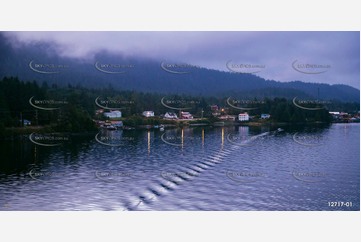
(21, 119)
(36, 117)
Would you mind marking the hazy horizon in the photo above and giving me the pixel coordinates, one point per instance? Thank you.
(278, 53)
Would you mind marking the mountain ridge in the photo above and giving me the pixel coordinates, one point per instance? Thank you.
(147, 75)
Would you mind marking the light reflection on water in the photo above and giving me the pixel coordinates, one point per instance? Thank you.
(201, 168)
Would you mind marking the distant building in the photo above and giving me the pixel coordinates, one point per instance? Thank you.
(215, 110)
(113, 114)
(216, 113)
(353, 119)
(228, 117)
(186, 115)
(117, 124)
(111, 124)
(335, 115)
(26, 122)
(265, 116)
(170, 115)
(214, 107)
(243, 117)
(99, 123)
(99, 111)
(148, 114)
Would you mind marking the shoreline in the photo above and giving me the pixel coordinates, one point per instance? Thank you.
(19, 131)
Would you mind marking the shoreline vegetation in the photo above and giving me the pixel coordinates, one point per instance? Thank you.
(26, 107)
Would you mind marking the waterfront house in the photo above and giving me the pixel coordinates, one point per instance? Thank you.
(170, 115)
(26, 122)
(113, 114)
(186, 115)
(214, 108)
(148, 114)
(228, 117)
(117, 124)
(243, 117)
(265, 116)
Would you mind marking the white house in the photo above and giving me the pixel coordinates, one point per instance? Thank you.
(148, 114)
(113, 114)
(243, 117)
(170, 115)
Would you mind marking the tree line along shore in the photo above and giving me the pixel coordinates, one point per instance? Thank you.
(29, 107)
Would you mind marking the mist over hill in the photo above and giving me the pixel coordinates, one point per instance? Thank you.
(40, 62)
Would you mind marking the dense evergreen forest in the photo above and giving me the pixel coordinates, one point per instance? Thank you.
(77, 109)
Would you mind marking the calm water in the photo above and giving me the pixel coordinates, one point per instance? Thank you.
(230, 168)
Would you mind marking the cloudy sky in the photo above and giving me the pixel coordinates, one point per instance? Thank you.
(323, 57)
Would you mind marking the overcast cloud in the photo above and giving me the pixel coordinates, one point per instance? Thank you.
(276, 51)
